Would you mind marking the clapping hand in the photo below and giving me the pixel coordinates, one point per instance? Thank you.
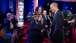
(15, 33)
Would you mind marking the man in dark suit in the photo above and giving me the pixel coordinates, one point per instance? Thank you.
(57, 34)
(10, 23)
(35, 32)
(47, 23)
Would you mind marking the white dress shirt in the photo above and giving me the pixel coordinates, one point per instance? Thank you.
(56, 11)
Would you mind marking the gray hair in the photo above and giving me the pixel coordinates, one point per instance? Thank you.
(8, 14)
(54, 4)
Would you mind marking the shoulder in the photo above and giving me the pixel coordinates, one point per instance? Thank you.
(60, 14)
(32, 21)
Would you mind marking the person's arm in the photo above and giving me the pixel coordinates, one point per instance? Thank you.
(6, 21)
(72, 21)
(14, 37)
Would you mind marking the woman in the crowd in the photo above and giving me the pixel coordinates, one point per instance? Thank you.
(39, 11)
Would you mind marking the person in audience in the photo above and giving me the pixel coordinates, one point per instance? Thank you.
(35, 32)
(2, 17)
(10, 27)
(29, 16)
(51, 15)
(47, 26)
(46, 20)
(38, 10)
(69, 22)
(4, 38)
(43, 19)
(75, 23)
(58, 19)
(51, 18)
(10, 22)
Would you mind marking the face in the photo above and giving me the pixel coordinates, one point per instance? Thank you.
(36, 17)
(52, 8)
(44, 12)
(39, 10)
(9, 16)
(2, 32)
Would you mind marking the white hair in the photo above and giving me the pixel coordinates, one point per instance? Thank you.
(8, 14)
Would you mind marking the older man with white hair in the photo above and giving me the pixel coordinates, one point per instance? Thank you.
(57, 30)
(10, 23)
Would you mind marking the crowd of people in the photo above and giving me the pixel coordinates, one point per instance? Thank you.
(55, 26)
(9, 30)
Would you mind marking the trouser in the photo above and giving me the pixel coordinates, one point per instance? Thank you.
(37, 39)
(70, 35)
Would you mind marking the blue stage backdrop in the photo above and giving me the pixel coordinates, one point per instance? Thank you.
(4, 5)
(41, 3)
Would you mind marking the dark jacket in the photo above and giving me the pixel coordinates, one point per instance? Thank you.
(7, 24)
(44, 22)
(57, 34)
(35, 31)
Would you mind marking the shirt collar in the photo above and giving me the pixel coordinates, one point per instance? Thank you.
(56, 11)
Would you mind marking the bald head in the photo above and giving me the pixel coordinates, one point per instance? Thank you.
(54, 6)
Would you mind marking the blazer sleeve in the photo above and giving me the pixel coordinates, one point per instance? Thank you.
(6, 21)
